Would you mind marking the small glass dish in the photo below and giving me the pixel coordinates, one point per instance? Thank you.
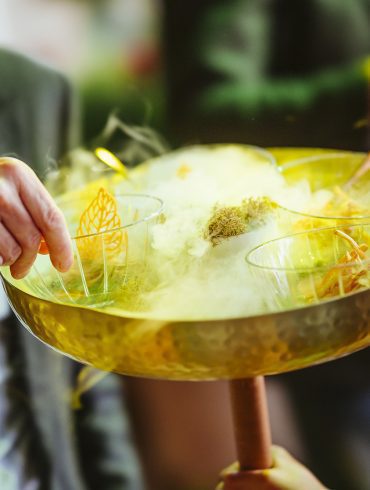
(333, 172)
(108, 266)
(312, 266)
(324, 170)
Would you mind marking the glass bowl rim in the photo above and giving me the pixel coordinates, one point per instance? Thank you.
(265, 152)
(310, 159)
(149, 217)
(320, 156)
(324, 217)
(304, 269)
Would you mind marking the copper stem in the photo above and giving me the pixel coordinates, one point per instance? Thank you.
(251, 423)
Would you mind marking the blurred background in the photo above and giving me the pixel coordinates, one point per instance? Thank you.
(268, 72)
(263, 72)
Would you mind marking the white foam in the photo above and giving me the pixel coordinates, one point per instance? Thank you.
(197, 280)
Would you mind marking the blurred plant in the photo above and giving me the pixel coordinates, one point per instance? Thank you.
(241, 41)
(290, 94)
(233, 41)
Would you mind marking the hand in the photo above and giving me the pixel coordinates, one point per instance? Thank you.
(286, 474)
(28, 214)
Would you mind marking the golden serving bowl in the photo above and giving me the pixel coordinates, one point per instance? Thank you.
(198, 350)
(132, 343)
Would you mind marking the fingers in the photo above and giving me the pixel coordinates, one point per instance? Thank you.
(288, 474)
(9, 248)
(280, 455)
(19, 223)
(29, 213)
(50, 221)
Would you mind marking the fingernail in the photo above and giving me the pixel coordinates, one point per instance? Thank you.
(18, 275)
(22, 274)
(1, 261)
(65, 266)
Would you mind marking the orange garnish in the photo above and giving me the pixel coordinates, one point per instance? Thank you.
(183, 171)
(351, 276)
(43, 248)
(100, 216)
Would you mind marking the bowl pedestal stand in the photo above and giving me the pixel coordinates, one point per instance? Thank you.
(252, 432)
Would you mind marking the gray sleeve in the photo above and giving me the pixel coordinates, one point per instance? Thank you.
(39, 115)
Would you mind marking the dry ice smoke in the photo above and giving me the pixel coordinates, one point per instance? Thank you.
(195, 279)
(131, 144)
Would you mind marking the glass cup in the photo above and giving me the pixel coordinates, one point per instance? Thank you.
(333, 171)
(108, 266)
(312, 266)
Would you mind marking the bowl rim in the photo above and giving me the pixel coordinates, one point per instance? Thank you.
(321, 156)
(311, 159)
(343, 219)
(149, 217)
(250, 262)
(262, 151)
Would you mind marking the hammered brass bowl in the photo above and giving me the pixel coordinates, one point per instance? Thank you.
(133, 342)
(197, 350)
